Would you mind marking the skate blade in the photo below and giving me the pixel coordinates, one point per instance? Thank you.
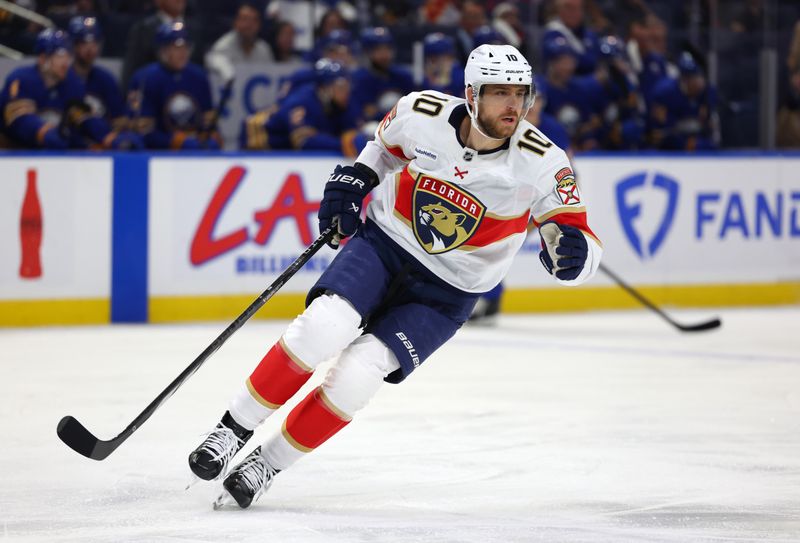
(193, 481)
(223, 500)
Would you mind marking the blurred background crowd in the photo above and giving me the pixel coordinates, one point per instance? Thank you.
(610, 75)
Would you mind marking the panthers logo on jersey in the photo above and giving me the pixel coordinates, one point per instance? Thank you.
(445, 216)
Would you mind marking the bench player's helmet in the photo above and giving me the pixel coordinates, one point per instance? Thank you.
(497, 65)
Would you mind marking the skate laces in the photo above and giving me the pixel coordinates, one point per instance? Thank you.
(223, 444)
(256, 474)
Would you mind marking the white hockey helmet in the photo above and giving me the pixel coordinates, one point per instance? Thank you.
(499, 65)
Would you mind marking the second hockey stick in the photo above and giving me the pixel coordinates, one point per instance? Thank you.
(699, 327)
(78, 438)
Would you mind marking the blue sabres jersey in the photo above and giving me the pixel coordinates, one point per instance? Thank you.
(172, 102)
(679, 121)
(576, 108)
(302, 122)
(654, 69)
(376, 93)
(453, 84)
(583, 41)
(291, 83)
(30, 108)
(104, 97)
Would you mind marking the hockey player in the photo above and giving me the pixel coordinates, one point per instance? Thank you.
(454, 183)
(102, 92)
(337, 47)
(683, 112)
(103, 96)
(44, 104)
(378, 86)
(567, 95)
(176, 110)
(319, 117)
(442, 72)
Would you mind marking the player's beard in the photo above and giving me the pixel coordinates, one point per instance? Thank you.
(495, 128)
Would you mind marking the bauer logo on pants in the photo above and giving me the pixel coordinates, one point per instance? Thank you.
(445, 216)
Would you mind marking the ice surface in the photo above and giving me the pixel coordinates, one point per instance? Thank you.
(599, 427)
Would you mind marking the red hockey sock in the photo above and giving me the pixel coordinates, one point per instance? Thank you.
(313, 421)
(277, 377)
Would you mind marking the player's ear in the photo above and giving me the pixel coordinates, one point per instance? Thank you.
(469, 94)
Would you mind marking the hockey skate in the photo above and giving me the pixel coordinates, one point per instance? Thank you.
(210, 460)
(247, 481)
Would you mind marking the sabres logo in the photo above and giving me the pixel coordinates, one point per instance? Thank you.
(445, 216)
(566, 188)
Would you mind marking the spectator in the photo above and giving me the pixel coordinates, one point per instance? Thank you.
(102, 92)
(505, 20)
(793, 59)
(176, 109)
(570, 26)
(43, 104)
(16, 32)
(487, 35)
(750, 18)
(331, 21)
(622, 107)
(683, 111)
(572, 100)
(379, 85)
(282, 42)
(473, 16)
(316, 117)
(336, 47)
(788, 129)
(439, 12)
(443, 72)
(141, 47)
(646, 51)
(239, 45)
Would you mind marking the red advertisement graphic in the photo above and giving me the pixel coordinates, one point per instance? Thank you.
(290, 203)
(30, 231)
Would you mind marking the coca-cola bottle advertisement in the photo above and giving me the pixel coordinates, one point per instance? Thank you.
(30, 231)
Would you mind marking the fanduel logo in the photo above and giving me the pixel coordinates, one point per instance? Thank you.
(631, 193)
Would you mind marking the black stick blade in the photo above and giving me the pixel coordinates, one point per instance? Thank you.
(700, 327)
(82, 441)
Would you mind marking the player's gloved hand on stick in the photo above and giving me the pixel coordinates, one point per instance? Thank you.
(564, 250)
(343, 199)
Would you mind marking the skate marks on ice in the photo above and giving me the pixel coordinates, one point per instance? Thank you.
(528, 432)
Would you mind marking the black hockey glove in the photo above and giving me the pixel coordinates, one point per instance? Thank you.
(343, 198)
(564, 250)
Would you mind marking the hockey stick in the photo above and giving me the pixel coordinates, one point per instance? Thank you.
(78, 438)
(699, 327)
(224, 97)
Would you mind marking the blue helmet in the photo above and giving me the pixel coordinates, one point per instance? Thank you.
(51, 40)
(556, 47)
(375, 36)
(486, 34)
(687, 65)
(334, 39)
(327, 71)
(172, 34)
(84, 29)
(438, 44)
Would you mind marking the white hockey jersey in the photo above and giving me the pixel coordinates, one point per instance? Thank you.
(463, 213)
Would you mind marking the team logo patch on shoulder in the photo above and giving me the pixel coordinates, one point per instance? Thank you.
(566, 188)
(389, 117)
(445, 216)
